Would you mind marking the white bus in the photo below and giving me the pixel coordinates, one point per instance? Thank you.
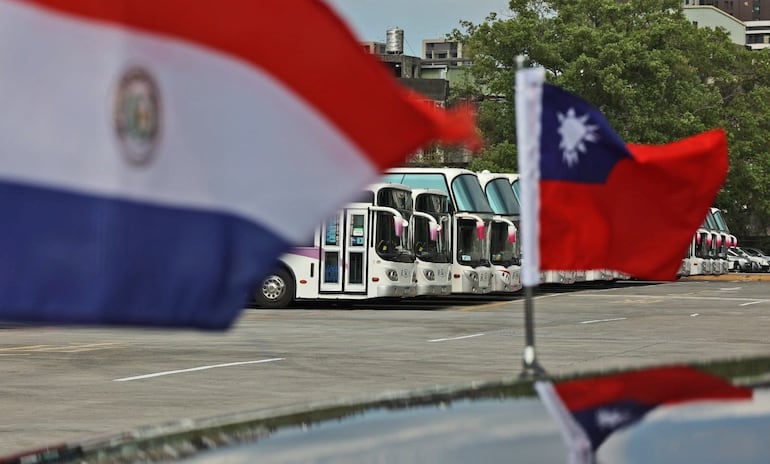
(504, 249)
(364, 251)
(728, 239)
(431, 236)
(717, 252)
(471, 216)
(696, 260)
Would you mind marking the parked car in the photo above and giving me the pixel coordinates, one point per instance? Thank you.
(738, 262)
(760, 262)
(763, 258)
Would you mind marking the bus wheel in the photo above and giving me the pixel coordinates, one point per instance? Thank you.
(276, 291)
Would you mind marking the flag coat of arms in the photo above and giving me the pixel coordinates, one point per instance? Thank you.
(157, 156)
(591, 201)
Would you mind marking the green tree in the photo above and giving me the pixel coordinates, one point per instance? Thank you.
(654, 75)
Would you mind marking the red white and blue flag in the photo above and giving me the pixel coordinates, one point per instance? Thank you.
(589, 410)
(591, 201)
(158, 155)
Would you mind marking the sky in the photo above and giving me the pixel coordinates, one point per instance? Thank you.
(419, 19)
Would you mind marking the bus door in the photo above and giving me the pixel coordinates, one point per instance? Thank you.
(332, 264)
(356, 237)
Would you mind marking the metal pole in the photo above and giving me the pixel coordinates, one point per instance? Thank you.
(528, 155)
(531, 368)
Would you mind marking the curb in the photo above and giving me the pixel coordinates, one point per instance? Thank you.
(733, 277)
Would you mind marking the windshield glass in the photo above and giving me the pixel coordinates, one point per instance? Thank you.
(702, 248)
(470, 250)
(389, 246)
(720, 221)
(435, 250)
(396, 198)
(711, 223)
(469, 195)
(501, 197)
(751, 252)
(502, 251)
(433, 181)
(516, 190)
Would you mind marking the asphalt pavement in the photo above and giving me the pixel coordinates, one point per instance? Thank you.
(68, 384)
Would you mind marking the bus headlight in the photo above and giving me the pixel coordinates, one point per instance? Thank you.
(393, 275)
(429, 274)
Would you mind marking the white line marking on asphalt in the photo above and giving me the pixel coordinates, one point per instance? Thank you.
(752, 302)
(694, 314)
(726, 289)
(706, 298)
(454, 338)
(604, 320)
(201, 368)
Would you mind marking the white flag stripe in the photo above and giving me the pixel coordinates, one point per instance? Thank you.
(578, 444)
(201, 162)
(529, 89)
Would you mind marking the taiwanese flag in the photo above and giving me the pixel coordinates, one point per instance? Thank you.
(157, 156)
(602, 405)
(595, 202)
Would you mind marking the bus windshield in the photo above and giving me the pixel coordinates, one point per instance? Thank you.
(469, 195)
(516, 190)
(721, 224)
(502, 251)
(470, 250)
(389, 246)
(501, 197)
(434, 250)
(711, 222)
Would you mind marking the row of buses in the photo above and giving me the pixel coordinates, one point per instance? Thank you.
(708, 250)
(427, 232)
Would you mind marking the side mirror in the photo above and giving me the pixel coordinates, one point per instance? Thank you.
(511, 234)
(398, 227)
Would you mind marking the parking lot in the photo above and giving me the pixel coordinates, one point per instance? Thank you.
(68, 384)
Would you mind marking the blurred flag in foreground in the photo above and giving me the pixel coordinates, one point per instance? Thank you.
(602, 204)
(589, 410)
(158, 155)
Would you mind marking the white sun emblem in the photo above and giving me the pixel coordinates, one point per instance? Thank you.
(574, 132)
(611, 418)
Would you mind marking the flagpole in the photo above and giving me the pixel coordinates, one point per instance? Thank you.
(527, 127)
(531, 367)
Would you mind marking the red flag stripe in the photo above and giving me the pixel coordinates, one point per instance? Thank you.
(665, 385)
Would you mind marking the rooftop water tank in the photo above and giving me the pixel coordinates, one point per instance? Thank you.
(394, 41)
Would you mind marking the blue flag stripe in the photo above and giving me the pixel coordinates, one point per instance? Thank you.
(73, 258)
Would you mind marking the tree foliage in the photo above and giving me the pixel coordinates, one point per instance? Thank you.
(654, 75)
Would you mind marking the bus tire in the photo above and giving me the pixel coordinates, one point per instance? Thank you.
(276, 290)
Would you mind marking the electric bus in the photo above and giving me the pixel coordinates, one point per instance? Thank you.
(364, 251)
(505, 253)
(471, 216)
